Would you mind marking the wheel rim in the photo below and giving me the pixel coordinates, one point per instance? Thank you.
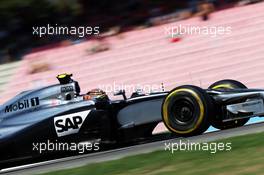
(183, 112)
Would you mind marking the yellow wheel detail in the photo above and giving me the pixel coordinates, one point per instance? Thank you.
(165, 108)
(226, 86)
(186, 110)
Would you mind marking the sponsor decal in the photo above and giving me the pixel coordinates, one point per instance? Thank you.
(22, 105)
(70, 123)
(67, 89)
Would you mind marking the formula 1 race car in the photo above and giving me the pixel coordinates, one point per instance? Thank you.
(58, 113)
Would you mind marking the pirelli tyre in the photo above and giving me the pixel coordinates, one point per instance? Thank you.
(217, 120)
(186, 110)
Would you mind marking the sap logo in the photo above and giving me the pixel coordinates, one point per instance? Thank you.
(67, 89)
(22, 105)
(69, 124)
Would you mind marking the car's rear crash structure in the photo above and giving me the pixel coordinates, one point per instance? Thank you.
(59, 113)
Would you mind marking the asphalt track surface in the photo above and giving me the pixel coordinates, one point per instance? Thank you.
(81, 160)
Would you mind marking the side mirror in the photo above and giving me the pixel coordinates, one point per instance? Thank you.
(121, 92)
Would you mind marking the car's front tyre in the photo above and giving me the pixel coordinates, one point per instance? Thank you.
(186, 110)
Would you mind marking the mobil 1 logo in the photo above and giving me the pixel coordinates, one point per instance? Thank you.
(70, 123)
(20, 105)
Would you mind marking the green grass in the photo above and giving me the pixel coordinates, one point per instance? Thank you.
(245, 158)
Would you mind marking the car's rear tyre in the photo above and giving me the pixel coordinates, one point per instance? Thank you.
(186, 110)
(217, 120)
